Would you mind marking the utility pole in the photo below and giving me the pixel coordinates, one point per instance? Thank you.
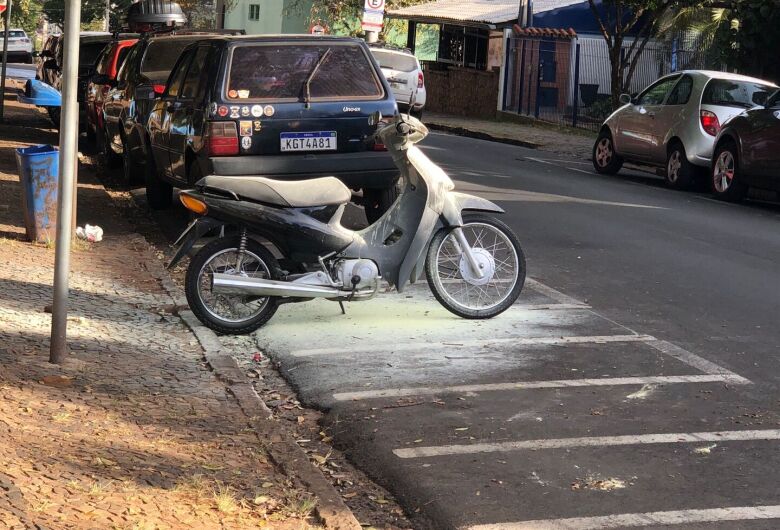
(69, 126)
(6, 29)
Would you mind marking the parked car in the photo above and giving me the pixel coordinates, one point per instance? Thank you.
(404, 73)
(285, 107)
(91, 43)
(47, 52)
(127, 105)
(108, 64)
(673, 123)
(747, 152)
(20, 47)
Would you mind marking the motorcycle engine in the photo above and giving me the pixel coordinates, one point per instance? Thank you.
(360, 273)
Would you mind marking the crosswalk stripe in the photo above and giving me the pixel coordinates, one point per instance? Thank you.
(530, 385)
(636, 520)
(591, 441)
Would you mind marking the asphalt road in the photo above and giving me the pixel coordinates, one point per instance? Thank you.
(634, 384)
(635, 379)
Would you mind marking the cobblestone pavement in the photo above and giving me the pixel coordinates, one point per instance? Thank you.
(559, 140)
(134, 431)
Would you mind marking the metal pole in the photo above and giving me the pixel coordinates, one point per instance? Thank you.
(69, 126)
(372, 36)
(576, 102)
(7, 23)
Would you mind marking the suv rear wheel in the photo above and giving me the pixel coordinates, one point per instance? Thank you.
(159, 194)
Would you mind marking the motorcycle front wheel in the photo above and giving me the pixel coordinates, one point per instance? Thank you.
(501, 259)
(228, 313)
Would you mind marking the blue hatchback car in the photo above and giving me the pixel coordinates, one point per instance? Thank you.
(283, 107)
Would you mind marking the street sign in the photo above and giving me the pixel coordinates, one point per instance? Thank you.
(373, 15)
(3, 5)
(374, 5)
(318, 29)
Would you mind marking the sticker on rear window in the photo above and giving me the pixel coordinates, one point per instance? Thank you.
(245, 111)
(223, 111)
(257, 110)
(258, 125)
(246, 142)
(269, 110)
(246, 128)
(234, 111)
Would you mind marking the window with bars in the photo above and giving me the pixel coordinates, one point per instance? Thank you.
(254, 11)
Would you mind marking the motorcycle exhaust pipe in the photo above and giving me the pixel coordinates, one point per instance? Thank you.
(229, 284)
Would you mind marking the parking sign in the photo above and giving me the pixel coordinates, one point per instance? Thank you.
(375, 5)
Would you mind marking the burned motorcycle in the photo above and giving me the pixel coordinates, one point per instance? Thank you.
(282, 241)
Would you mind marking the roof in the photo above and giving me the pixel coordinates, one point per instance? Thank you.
(475, 12)
(715, 74)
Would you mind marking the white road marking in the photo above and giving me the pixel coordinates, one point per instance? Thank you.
(548, 291)
(482, 343)
(591, 441)
(582, 171)
(636, 520)
(530, 385)
(552, 160)
(691, 359)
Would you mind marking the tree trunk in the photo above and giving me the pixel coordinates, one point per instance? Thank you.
(616, 74)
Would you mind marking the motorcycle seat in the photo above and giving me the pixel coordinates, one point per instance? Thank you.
(325, 191)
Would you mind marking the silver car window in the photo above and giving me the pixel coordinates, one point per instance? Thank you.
(682, 92)
(656, 94)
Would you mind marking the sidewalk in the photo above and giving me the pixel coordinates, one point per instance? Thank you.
(135, 431)
(560, 140)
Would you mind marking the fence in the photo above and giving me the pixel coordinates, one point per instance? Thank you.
(568, 80)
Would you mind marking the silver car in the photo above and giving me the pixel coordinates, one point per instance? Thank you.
(673, 123)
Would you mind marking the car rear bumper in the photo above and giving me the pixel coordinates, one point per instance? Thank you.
(357, 170)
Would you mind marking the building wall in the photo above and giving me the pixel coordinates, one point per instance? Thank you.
(462, 92)
(276, 16)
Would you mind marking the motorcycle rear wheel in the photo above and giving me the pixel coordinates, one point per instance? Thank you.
(453, 284)
(230, 314)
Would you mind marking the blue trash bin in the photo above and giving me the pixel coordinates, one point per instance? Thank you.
(38, 173)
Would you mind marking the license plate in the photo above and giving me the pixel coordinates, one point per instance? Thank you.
(309, 141)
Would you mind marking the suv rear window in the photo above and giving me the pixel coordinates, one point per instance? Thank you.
(16, 34)
(161, 56)
(395, 61)
(279, 72)
(732, 93)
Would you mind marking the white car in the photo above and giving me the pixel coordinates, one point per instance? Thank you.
(404, 73)
(20, 47)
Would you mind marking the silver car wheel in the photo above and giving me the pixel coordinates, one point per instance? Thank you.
(604, 152)
(724, 172)
(674, 166)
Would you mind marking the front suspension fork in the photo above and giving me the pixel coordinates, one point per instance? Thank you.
(462, 246)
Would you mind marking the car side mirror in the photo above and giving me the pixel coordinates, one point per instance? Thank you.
(626, 99)
(50, 64)
(36, 54)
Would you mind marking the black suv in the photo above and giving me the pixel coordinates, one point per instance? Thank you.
(285, 107)
(127, 106)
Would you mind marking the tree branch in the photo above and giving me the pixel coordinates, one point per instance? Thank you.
(598, 18)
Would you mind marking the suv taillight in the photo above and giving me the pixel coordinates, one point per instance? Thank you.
(710, 123)
(222, 138)
(420, 80)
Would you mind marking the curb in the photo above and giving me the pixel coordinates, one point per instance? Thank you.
(461, 131)
(284, 453)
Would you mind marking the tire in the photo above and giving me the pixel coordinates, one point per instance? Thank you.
(130, 169)
(110, 158)
(680, 174)
(376, 201)
(447, 299)
(605, 160)
(195, 279)
(54, 116)
(726, 161)
(159, 194)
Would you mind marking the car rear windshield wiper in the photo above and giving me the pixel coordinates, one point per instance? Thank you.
(307, 84)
